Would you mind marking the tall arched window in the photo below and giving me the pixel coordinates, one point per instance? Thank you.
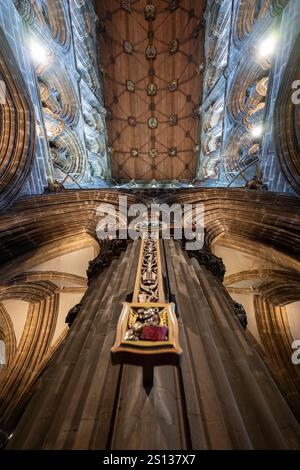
(2, 354)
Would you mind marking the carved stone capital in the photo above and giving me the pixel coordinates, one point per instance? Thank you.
(112, 251)
(240, 313)
(256, 184)
(73, 312)
(206, 258)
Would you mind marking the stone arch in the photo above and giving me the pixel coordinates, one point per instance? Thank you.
(273, 325)
(248, 13)
(247, 91)
(7, 334)
(35, 341)
(42, 291)
(17, 126)
(240, 152)
(30, 11)
(287, 121)
(68, 156)
(266, 293)
(56, 16)
(58, 94)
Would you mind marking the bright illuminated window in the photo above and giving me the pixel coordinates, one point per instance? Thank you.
(2, 353)
(257, 131)
(38, 52)
(267, 47)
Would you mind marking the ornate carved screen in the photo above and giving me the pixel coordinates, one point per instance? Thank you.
(147, 331)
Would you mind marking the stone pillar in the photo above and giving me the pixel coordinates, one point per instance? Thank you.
(232, 401)
(73, 404)
(221, 397)
(83, 401)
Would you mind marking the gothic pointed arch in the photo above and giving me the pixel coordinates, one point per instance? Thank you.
(287, 120)
(251, 12)
(7, 334)
(58, 93)
(17, 126)
(56, 13)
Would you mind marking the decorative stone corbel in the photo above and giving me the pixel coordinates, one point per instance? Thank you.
(240, 313)
(73, 312)
(103, 260)
(205, 257)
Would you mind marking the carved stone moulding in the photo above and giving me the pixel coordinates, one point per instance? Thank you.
(151, 89)
(206, 258)
(73, 313)
(26, 10)
(150, 52)
(152, 122)
(257, 184)
(103, 260)
(240, 313)
(150, 12)
(147, 333)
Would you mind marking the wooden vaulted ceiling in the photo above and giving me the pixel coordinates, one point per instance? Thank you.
(151, 57)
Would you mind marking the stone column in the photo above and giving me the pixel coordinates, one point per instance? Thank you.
(73, 403)
(221, 397)
(83, 401)
(232, 401)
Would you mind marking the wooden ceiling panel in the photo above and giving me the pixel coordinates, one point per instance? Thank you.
(164, 53)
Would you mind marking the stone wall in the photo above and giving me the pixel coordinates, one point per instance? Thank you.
(65, 91)
(244, 88)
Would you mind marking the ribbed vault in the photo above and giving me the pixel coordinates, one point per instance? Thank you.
(152, 60)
